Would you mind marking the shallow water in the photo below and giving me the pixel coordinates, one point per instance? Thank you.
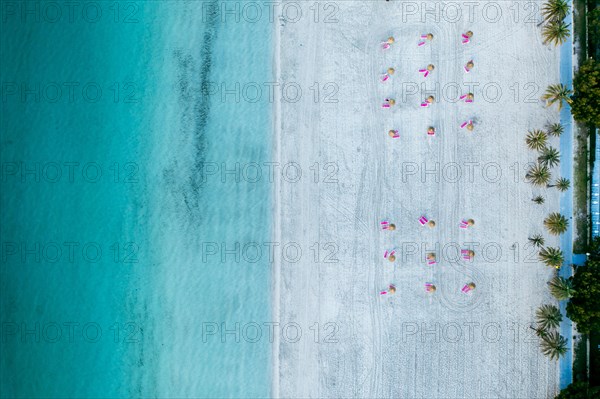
(111, 213)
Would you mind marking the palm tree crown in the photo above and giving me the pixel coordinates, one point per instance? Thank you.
(538, 200)
(556, 32)
(562, 184)
(536, 139)
(554, 345)
(552, 257)
(556, 223)
(561, 288)
(537, 240)
(548, 317)
(550, 157)
(555, 129)
(557, 93)
(555, 10)
(538, 175)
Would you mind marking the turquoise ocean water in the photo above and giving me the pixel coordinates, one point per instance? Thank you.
(109, 216)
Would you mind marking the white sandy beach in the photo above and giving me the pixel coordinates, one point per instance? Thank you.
(412, 344)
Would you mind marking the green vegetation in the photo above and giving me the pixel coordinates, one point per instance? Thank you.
(536, 140)
(538, 200)
(584, 306)
(580, 358)
(555, 10)
(537, 240)
(578, 390)
(557, 94)
(586, 24)
(556, 223)
(538, 175)
(594, 371)
(585, 105)
(549, 157)
(555, 129)
(594, 30)
(580, 28)
(580, 190)
(561, 288)
(553, 345)
(556, 32)
(561, 184)
(552, 257)
(594, 249)
(548, 317)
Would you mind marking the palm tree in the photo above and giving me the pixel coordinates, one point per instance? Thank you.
(562, 184)
(557, 94)
(555, 129)
(538, 200)
(556, 32)
(554, 345)
(548, 317)
(556, 223)
(537, 240)
(561, 288)
(550, 157)
(536, 139)
(555, 10)
(538, 175)
(552, 257)
(540, 332)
